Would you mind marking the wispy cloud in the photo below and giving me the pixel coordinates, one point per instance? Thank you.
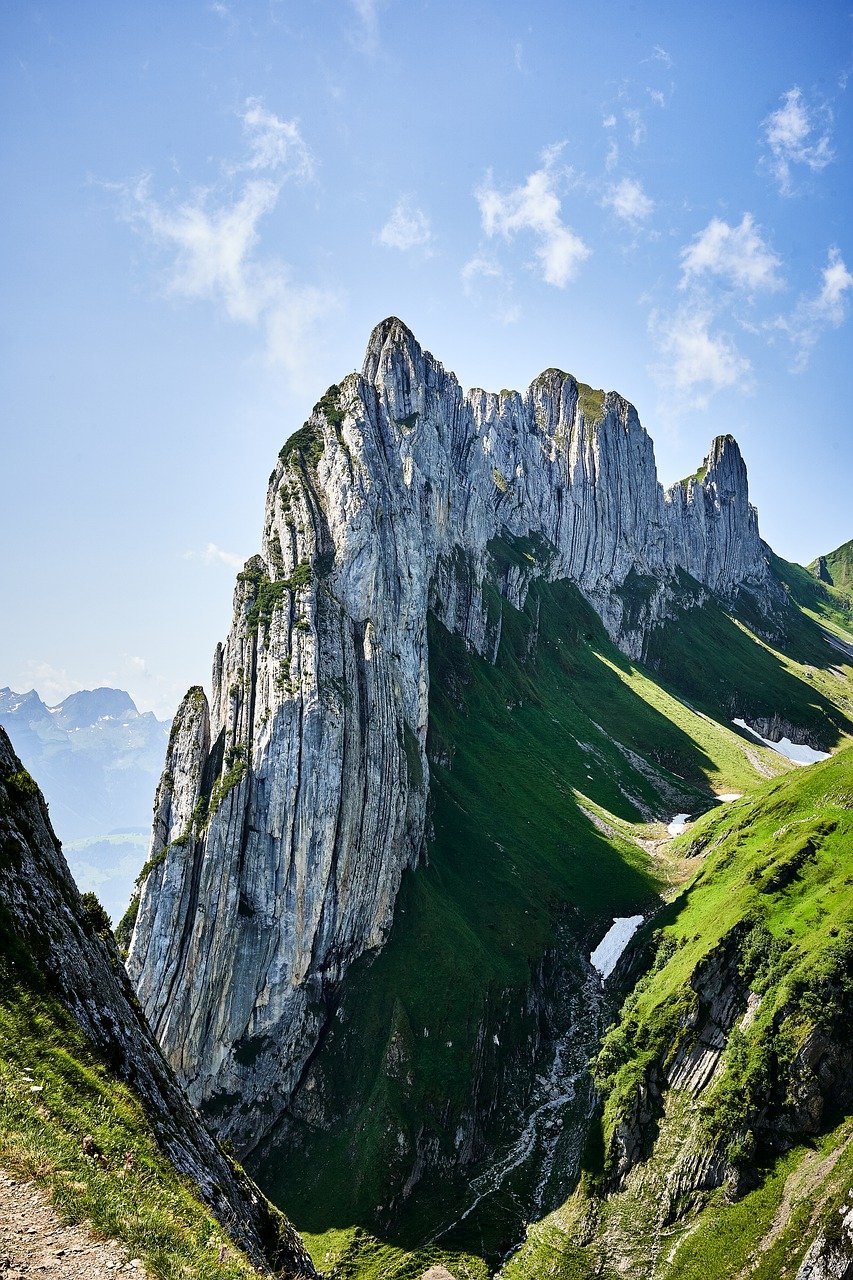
(51, 683)
(481, 267)
(813, 315)
(215, 555)
(408, 227)
(211, 240)
(275, 145)
(611, 160)
(796, 134)
(695, 363)
(737, 255)
(534, 206)
(484, 274)
(629, 201)
(659, 54)
(636, 125)
(366, 36)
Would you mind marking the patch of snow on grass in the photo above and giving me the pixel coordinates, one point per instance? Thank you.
(678, 824)
(797, 752)
(614, 942)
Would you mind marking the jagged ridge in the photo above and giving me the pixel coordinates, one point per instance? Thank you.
(288, 812)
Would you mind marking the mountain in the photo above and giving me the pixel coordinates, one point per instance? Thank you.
(836, 568)
(89, 1107)
(98, 759)
(481, 662)
(723, 1144)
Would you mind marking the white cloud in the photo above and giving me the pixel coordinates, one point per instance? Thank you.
(611, 160)
(812, 316)
(212, 244)
(149, 690)
(609, 122)
(367, 13)
(52, 684)
(636, 125)
(696, 363)
(629, 201)
(535, 206)
(738, 255)
(661, 55)
(214, 555)
(212, 239)
(481, 266)
(275, 144)
(407, 228)
(797, 134)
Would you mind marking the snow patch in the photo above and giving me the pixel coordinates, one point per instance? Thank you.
(797, 752)
(727, 796)
(614, 942)
(678, 824)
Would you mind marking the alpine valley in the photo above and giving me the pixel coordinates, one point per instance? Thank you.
(497, 913)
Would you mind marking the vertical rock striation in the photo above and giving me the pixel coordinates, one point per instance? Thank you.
(44, 920)
(290, 808)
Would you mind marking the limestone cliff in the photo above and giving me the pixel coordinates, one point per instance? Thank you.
(290, 807)
(46, 927)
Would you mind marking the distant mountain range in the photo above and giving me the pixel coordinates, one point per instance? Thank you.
(98, 759)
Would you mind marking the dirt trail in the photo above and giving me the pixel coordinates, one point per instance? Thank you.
(35, 1245)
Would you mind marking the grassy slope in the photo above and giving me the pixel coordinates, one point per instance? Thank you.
(782, 861)
(840, 565)
(829, 606)
(512, 849)
(54, 1090)
(717, 661)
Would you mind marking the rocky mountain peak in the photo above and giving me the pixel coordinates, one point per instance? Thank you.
(284, 822)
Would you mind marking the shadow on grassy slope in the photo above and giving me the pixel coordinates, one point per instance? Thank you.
(723, 669)
(410, 1061)
(771, 902)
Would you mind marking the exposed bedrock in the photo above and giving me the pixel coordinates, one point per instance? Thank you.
(291, 806)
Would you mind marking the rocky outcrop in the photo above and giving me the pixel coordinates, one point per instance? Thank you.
(43, 916)
(714, 526)
(831, 1258)
(290, 808)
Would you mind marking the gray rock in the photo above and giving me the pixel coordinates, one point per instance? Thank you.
(311, 759)
(43, 911)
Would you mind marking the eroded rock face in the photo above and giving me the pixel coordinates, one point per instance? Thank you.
(43, 911)
(289, 811)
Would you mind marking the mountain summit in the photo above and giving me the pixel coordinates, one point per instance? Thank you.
(289, 809)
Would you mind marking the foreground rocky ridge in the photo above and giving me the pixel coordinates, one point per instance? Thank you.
(290, 808)
(46, 925)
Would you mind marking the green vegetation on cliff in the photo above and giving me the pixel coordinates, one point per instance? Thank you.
(88, 1108)
(54, 1092)
(546, 770)
(836, 568)
(768, 911)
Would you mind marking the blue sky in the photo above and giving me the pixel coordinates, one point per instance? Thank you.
(208, 206)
